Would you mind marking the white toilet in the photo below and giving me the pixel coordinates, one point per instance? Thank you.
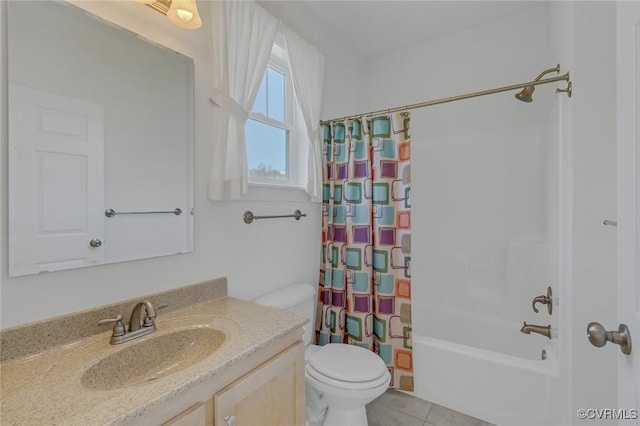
(340, 379)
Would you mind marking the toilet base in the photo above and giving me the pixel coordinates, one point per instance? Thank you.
(315, 407)
(346, 400)
(340, 416)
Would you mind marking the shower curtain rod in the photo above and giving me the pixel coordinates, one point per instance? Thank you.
(564, 77)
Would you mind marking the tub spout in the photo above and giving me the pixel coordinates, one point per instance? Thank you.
(545, 330)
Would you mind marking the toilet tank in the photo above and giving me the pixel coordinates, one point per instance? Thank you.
(299, 299)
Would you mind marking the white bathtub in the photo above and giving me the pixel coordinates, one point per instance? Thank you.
(512, 387)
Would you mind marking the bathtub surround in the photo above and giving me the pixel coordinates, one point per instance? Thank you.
(364, 297)
(485, 241)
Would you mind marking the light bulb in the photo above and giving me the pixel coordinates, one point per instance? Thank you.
(184, 15)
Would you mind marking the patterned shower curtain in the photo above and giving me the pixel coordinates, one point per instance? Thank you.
(365, 272)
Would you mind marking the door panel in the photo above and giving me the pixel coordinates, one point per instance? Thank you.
(56, 182)
(628, 76)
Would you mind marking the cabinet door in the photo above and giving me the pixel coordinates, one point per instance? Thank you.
(200, 414)
(270, 395)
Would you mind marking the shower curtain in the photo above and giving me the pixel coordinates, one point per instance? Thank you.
(365, 272)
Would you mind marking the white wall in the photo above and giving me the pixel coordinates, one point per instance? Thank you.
(256, 258)
(479, 178)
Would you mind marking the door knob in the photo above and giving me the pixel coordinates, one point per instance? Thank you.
(231, 420)
(599, 336)
(95, 243)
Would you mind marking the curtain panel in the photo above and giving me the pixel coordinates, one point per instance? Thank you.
(307, 72)
(243, 35)
(365, 273)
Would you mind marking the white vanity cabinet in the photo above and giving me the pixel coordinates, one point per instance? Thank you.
(269, 394)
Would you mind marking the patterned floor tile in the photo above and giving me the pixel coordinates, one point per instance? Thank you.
(395, 408)
(441, 416)
(407, 404)
(381, 415)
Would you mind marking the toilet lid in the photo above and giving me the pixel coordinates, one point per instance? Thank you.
(383, 380)
(347, 363)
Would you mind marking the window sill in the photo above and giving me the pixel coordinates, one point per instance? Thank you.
(273, 192)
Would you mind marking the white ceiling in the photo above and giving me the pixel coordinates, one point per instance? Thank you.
(375, 27)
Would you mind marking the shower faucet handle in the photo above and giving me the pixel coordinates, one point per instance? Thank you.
(545, 300)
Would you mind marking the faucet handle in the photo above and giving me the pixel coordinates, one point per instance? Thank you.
(545, 300)
(118, 327)
(149, 319)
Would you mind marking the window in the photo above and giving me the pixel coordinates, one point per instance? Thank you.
(270, 132)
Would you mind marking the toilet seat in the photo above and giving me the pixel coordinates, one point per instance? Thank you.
(340, 384)
(347, 367)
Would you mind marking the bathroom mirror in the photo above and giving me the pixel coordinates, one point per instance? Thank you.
(100, 120)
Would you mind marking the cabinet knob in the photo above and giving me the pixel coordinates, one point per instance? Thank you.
(231, 420)
(95, 243)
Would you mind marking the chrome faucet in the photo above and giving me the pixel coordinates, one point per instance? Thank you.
(138, 325)
(545, 330)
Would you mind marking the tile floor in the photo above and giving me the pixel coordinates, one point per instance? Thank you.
(395, 408)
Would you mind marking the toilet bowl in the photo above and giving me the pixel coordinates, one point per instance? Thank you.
(343, 378)
(340, 379)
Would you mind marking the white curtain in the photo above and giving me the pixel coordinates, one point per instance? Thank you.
(243, 34)
(307, 73)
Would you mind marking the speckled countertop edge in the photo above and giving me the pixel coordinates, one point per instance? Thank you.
(31, 339)
(46, 388)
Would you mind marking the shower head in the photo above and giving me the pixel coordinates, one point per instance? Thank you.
(525, 95)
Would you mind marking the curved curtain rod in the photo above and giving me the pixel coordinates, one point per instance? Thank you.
(564, 77)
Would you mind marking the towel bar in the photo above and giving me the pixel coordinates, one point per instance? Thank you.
(249, 217)
(112, 212)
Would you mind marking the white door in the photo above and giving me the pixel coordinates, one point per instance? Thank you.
(628, 50)
(56, 182)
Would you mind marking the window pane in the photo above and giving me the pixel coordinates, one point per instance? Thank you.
(260, 106)
(266, 151)
(276, 94)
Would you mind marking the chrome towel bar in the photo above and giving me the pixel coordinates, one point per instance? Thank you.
(112, 212)
(249, 217)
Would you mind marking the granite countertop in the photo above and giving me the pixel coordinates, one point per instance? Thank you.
(46, 388)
